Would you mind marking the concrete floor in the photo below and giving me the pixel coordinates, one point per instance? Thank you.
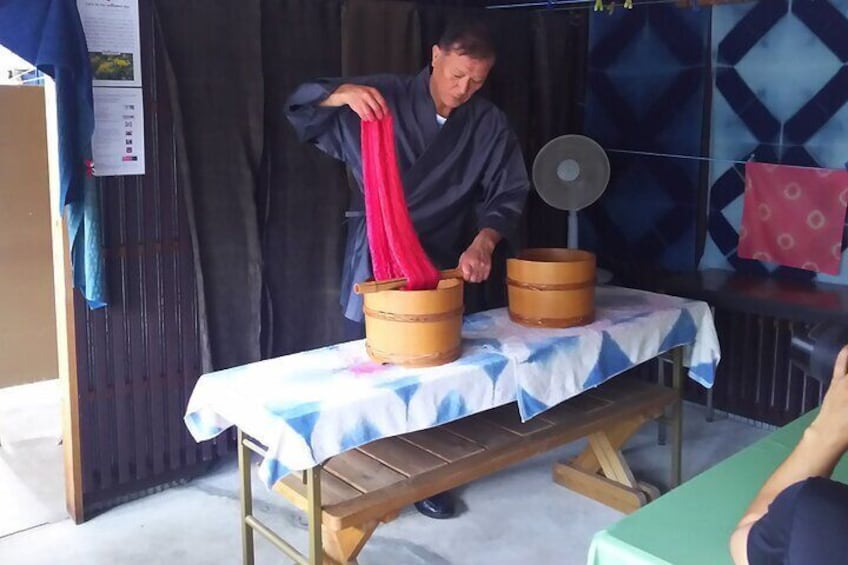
(517, 516)
(32, 490)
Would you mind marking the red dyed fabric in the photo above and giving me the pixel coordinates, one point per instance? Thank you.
(395, 249)
(794, 216)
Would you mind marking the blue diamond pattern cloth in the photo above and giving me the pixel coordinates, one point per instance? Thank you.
(310, 406)
(780, 95)
(645, 92)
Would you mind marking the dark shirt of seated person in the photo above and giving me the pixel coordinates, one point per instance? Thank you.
(800, 516)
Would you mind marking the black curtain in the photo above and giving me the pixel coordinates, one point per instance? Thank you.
(560, 42)
(216, 56)
(380, 37)
(303, 193)
(269, 211)
(433, 17)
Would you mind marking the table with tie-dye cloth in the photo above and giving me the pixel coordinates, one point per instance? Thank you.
(310, 406)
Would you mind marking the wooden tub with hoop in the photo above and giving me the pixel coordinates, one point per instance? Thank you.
(551, 288)
(414, 328)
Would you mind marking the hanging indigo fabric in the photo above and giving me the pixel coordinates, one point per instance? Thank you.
(49, 35)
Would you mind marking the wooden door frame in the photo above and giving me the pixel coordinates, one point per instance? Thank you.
(65, 320)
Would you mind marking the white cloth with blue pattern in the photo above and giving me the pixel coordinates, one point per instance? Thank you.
(310, 406)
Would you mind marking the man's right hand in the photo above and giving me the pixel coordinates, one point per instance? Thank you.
(832, 420)
(366, 101)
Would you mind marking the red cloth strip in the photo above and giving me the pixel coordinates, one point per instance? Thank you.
(395, 248)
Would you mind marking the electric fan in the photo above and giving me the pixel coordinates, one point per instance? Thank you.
(570, 173)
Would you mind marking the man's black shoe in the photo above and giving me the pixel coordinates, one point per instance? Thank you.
(438, 507)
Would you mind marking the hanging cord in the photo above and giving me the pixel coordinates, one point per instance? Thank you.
(751, 158)
(679, 156)
(561, 5)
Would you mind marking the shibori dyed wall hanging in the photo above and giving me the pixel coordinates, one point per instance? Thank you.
(646, 86)
(780, 93)
(794, 216)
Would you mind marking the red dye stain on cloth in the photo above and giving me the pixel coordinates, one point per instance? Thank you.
(396, 251)
(794, 216)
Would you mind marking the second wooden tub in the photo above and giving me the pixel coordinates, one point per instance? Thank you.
(552, 287)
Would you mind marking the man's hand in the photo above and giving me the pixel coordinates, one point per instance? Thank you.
(831, 424)
(476, 262)
(366, 101)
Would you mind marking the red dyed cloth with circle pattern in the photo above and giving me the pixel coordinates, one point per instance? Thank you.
(794, 216)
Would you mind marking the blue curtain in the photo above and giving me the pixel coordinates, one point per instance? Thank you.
(49, 35)
(645, 93)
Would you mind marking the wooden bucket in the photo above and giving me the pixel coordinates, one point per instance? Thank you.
(415, 328)
(551, 288)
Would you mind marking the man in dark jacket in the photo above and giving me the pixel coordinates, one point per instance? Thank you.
(457, 155)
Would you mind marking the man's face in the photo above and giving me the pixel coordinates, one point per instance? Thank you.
(457, 77)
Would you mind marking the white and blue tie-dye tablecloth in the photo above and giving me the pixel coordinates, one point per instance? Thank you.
(310, 406)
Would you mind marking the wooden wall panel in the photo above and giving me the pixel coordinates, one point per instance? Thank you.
(138, 359)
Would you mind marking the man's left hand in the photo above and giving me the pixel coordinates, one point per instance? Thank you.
(476, 262)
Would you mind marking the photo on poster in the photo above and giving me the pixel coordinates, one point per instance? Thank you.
(112, 66)
(114, 47)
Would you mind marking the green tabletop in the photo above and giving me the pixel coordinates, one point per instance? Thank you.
(691, 525)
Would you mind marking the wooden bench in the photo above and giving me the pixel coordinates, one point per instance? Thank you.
(367, 486)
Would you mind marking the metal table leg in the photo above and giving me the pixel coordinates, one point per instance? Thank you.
(246, 501)
(710, 406)
(662, 426)
(313, 493)
(251, 524)
(677, 417)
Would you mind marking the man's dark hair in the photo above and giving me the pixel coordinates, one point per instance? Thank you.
(468, 37)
